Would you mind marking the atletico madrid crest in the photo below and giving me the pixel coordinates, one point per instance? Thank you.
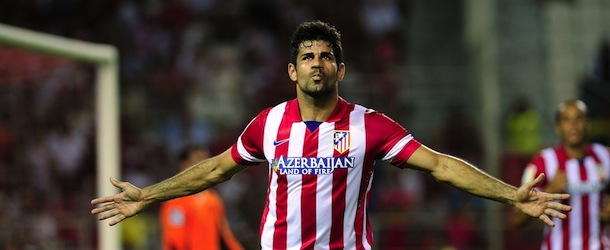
(341, 140)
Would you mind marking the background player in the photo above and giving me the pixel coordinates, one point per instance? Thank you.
(196, 221)
(580, 169)
(321, 132)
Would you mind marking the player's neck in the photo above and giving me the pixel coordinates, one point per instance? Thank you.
(577, 151)
(316, 109)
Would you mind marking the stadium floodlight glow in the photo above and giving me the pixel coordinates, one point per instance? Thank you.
(105, 58)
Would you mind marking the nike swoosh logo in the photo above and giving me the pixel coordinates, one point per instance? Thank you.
(277, 143)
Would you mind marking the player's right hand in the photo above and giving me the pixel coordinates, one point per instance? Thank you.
(120, 206)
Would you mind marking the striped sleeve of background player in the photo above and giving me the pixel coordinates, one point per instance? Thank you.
(248, 150)
(533, 169)
(393, 141)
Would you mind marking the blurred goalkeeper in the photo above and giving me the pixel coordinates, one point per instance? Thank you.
(196, 221)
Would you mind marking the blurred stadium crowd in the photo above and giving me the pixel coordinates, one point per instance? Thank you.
(195, 72)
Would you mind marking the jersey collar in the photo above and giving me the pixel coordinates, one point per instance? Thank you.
(341, 111)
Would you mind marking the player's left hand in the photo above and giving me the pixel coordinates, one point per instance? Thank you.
(120, 206)
(539, 204)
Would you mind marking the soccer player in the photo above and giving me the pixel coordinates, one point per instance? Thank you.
(580, 169)
(321, 151)
(196, 221)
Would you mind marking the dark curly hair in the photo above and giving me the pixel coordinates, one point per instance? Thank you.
(312, 31)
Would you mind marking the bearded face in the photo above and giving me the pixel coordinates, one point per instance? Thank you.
(316, 72)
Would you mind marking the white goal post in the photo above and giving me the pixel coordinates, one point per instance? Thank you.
(105, 58)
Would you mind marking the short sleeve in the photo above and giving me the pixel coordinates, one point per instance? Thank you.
(391, 141)
(248, 150)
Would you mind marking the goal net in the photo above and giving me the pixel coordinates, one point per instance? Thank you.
(58, 140)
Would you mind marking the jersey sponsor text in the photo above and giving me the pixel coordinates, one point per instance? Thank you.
(311, 165)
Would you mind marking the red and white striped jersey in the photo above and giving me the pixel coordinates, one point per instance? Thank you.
(587, 178)
(320, 177)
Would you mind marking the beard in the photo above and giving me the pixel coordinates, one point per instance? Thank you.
(317, 90)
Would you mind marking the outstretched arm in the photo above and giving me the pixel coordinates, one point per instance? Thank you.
(132, 200)
(467, 177)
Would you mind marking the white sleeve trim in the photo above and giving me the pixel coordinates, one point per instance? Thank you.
(244, 153)
(398, 147)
